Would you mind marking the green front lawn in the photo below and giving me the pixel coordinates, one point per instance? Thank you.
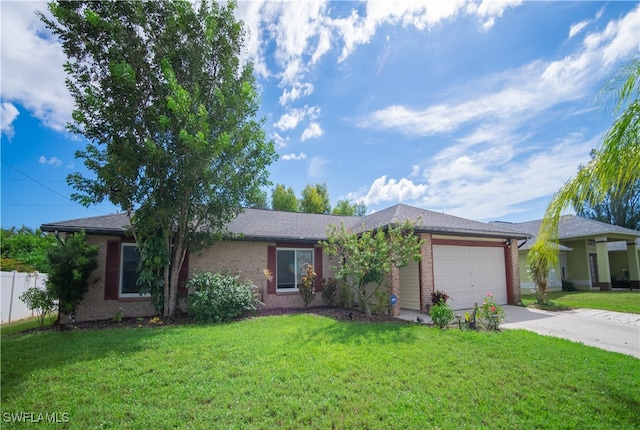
(26, 324)
(306, 371)
(619, 301)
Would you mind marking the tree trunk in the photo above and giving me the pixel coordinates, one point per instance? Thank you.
(176, 264)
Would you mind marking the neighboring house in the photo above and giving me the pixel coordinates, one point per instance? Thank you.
(466, 259)
(592, 255)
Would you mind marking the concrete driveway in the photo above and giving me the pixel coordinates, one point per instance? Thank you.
(612, 331)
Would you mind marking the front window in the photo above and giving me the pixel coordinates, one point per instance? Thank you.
(291, 267)
(129, 271)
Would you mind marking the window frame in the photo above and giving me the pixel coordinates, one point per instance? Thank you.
(121, 278)
(311, 250)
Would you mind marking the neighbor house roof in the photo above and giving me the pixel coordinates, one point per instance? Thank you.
(574, 227)
(259, 224)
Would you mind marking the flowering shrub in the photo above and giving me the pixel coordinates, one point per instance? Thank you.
(491, 314)
(441, 314)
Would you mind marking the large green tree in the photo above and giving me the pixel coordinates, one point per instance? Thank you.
(170, 116)
(615, 166)
(284, 199)
(315, 199)
(345, 207)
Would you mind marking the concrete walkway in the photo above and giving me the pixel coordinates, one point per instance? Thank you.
(612, 331)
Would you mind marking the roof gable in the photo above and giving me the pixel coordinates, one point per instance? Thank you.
(436, 222)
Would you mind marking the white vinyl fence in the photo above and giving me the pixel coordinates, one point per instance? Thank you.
(13, 285)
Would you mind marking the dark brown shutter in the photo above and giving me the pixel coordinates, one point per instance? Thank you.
(317, 267)
(112, 273)
(271, 265)
(183, 277)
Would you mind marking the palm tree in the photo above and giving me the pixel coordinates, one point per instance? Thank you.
(615, 166)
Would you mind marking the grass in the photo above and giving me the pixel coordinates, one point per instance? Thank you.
(306, 371)
(618, 301)
(25, 324)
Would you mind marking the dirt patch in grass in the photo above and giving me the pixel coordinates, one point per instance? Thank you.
(339, 314)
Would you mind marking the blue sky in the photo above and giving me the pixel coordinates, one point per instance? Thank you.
(475, 109)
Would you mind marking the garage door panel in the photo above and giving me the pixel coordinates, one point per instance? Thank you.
(469, 273)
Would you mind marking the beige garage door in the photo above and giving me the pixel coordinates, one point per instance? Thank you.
(469, 273)
(410, 287)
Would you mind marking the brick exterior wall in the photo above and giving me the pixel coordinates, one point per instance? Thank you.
(516, 296)
(244, 258)
(248, 259)
(94, 307)
(426, 273)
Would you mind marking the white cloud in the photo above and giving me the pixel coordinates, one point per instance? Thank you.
(415, 171)
(280, 141)
(291, 119)
(314, 130)
(8, 113)
(298, 90)
(53, 161)
(509, 100)
(284, 39)
(287, 39)
(489, 10)
(382, 190)
(356, 30)
(491, 182)
(317, 167)
(577, 28)
(496, 180)
(293, 156)
(32, 73)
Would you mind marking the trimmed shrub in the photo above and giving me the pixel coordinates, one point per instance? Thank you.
(329, 291)
(442, 314)
(220, 297)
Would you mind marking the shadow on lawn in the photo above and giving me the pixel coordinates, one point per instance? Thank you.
(22, 355)
(359, 333)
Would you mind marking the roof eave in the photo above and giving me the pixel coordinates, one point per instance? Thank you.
(474, 233)
(52, 228)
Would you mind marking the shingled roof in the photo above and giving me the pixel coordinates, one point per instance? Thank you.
(574, 227)
(258, 224)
